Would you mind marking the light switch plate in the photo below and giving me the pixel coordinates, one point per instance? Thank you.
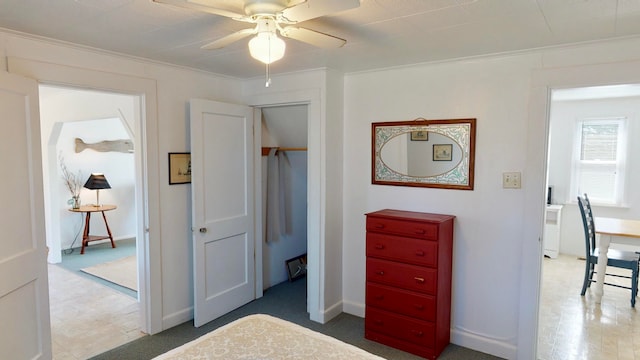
(511, 180)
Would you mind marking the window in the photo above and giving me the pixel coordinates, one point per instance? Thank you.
(599, 160)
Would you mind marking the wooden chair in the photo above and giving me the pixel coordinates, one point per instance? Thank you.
(617, 258)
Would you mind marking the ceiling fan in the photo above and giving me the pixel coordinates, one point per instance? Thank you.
(271, 17)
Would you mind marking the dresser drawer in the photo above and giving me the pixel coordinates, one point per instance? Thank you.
(415, 251)
(410, 277)
(400, 327)
(414, 229)
(404, 302)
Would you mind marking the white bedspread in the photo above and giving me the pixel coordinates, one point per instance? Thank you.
(261, 337)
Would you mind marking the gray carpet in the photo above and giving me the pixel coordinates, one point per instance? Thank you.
(286, 301)
(97, 254)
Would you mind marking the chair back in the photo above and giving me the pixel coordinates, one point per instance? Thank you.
(588, 225)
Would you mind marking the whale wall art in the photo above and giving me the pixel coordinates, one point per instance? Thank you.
(123, 146)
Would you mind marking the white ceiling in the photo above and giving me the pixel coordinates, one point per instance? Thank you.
(380, 33)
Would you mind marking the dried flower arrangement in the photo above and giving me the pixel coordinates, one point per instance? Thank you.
(73, 182)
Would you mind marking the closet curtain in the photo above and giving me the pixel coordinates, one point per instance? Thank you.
(276, 210)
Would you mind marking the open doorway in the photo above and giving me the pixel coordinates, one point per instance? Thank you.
(85, 132)
(316, 197)
(284, 193)
(588, 153)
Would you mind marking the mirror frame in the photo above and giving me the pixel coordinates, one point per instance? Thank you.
(379, 169)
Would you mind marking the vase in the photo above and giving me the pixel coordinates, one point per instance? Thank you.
(75, 204)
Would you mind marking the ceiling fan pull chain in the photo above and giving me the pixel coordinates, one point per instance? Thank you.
(268, 77)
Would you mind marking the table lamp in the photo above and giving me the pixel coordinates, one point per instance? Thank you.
(96, 182)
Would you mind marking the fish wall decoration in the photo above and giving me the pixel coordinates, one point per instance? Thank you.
(123, 146)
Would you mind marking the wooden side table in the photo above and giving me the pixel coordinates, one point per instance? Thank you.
(87, 210)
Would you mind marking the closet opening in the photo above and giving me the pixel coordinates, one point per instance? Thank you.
(284, 194)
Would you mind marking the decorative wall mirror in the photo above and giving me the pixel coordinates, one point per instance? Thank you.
(426, 153)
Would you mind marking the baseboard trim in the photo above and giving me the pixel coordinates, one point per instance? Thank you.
(353, 308)
(483, 344)
(458, 336)
(177, 318)
(331, 312)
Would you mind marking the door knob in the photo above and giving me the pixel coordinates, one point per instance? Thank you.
(203, 230)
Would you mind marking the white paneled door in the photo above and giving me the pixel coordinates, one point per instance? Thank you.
(222, 153)
(24, 298)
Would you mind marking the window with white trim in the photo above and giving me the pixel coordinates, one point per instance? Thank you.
(599, 160)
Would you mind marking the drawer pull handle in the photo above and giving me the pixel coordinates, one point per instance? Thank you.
(378, 322)
(419, 253)
(419, 306)
(417, 333)
(379, 226)
(380, 272)
(379, 246)
(421, 231)
(379, 297)
(419, 279)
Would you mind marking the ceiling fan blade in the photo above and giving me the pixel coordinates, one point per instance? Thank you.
(224, 41)
(312, 9)
(313, 37)
(293, 3)
(231, 9)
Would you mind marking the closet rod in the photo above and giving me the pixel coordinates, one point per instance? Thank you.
(265, 150)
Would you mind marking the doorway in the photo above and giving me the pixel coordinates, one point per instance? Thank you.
(316, 198)
(563, 311)
(88, 131)
(284, 192)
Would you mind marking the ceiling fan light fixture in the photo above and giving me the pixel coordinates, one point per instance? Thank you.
(267, 47)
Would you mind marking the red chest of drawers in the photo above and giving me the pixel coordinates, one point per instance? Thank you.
(408, 293)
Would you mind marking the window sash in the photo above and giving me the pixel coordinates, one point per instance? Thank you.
(599, 171)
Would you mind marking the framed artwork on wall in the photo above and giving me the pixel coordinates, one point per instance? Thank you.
(179, 168)
(297, 267)
(419, 136)
(442, 152)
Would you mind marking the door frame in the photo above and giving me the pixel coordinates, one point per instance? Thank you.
(147, 187)
(542, 82)
(316, 205)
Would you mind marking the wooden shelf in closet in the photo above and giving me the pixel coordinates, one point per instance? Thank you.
(265, 150)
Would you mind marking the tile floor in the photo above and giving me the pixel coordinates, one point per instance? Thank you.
(88, 318)
(575, 327)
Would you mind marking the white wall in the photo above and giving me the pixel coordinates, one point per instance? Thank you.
(169, 205)
(563, 118)
(333, 139)
(92, 116)
(488, 219)
(117, 167)
(491, 303)
(493, 310)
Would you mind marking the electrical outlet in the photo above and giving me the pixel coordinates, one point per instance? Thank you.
(511, 180)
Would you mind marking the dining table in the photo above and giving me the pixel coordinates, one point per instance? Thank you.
(610, 230)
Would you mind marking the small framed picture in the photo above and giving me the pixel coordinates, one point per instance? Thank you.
(297, 267)
(179, 168)
(419, 136)
(442, 152)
